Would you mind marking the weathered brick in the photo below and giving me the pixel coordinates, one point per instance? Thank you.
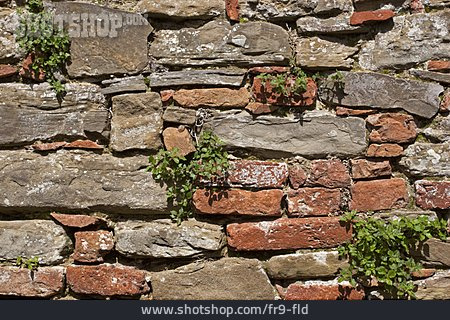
(238, 202)
(83, 144)
(343, 111)
(91, 246)
(287, 233)
(385, 150)
(256, 174)
(379, 194)
(313, 201)
(42, 283)
(423, 273)
(179, 138)
(258, 108)
(361, 17)
(321, 290)
(166, 96)
(433, 194)
(107, 280)
(297, 176)
(232, 8)
(364, 169)
(74, 220)
(445, 103)
(438, 65)
(52, 146)
(392, 127)
(328, 173)
(214, 97)
(7, 70)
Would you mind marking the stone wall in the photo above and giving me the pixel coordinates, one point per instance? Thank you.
(74, 190)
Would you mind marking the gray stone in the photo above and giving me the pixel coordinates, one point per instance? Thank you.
(381, 91)
(33, 238)
(225, 279)
(405, 213)
(186, 9)
(370, 5)
(32, 112)
(320, 53)
(120, 47)
(136, 122)
(427, 159)
(9, 22)
(77, 180)
(315, 135)
(180, 115)
(435, 252)
(437, 3)
(329, 25)
(305, 265)
(165, 239)
(124, 85)
(439, 129)
(435, 288)
(414, 39)
(430, 75)
(215, 44)
(213, 77)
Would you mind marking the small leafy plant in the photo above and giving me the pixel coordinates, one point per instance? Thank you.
(31, 264)
(182, 174)
(48, 45)
(287, 84)
(382, 250)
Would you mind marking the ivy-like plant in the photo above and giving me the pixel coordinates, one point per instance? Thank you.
(289, 83)
(182, 174)
(49, 45)
(382, 249)
(31, 264)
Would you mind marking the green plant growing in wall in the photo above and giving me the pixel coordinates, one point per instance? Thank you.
(31, 264)
(49, 46)
(182, 174)
(289, 83)
(382, 250)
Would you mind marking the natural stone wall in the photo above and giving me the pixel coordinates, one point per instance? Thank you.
(374, 137)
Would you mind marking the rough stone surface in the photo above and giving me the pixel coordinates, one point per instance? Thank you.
(218, 43)
(179, 138)
(77, 180)
(443, 78)
(179, 115)
(435, 288)
(342, 111)
(423, 273)
(258, 108)
(305, 265)
(91, 52)
(225, 279)
(238, 202)
(385, 150)
(330, 25)
(413, 39)
(287, 233)
(328, 173)
(218, 98)
(313, 202)
(369, 5)
(297, 176)
(379, 195)
(33, 238)
(427, 159)
(186, 9)
(315, 52)
(75, 220)
(83, 144)
(32, 112)
(433, 194)
(322, 290)
(439, 129)
(445, 103)
(256, 174)
(43, 283)
(383, 92)
(107, 280)
(9, 22)
(365, 169)
(164, 239)
(124, 85)
(361, 17)
(91, 246)
(212, 77)
(136, 122)
(392, 127)
(317, 134)
(435, 252)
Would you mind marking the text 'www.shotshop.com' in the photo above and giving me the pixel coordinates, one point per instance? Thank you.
(267, 309)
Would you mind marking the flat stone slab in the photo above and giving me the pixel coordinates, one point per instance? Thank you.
(9, 22)
(427, 159)
(77, 180)
(435, 288)
(213, 77)
(186, 9)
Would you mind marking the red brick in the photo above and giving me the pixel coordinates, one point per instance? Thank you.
(232, 8)
(297, 176)
(266, 94)
(417, 6)
(364, 169)
(274, 69)
(83, 144)
(167, 96)
(318, 291)
(287, 233)
(439, 65)
(179, 138)
(445, 103)
(92, 246)
(27, 72)
(313, 201)
(257, 174)
(392, 127)
(385, 150)
(7, 71)
(48, 146)
(107, 280)
(238, 202)
(329, 173)
(75, 220)
(43, 283)
(433, 194)
(257, 108)
(379, 195)
(213, 97)
(361, 17)
(423, 273)
(342, 111)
